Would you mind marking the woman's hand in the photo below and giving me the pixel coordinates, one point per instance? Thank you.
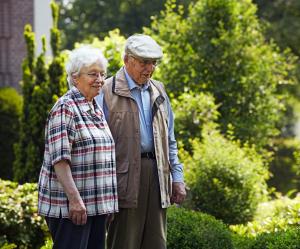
(77, 210)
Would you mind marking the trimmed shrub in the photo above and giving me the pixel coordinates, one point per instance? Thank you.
(241, 242)
(191, 229)
(226, 180)
(289, 239)
(19, 221)
(10, 112)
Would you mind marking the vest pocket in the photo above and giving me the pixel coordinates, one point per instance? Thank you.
(122, 179)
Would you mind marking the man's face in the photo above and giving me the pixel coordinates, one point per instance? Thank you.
(140, 70)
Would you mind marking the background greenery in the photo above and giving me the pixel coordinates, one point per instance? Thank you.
(10, 112)
(232, 73)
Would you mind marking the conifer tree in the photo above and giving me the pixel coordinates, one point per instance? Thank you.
(27, 88)
(41, 87)
(57, 75)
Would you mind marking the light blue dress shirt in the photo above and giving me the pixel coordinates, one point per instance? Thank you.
(141, 95)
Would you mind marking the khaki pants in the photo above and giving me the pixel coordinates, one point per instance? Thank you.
(143, 227)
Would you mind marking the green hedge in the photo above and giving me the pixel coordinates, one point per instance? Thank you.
(191, 230)
(289, 239)
(19, 222)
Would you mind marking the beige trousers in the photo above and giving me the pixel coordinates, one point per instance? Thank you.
(143, 227)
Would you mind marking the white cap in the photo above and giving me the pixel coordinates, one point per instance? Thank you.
(143, 46)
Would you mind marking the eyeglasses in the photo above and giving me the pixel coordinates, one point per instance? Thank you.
(146, 62)
(95, 75)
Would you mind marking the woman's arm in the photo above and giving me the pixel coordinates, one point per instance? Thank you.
(77, 210)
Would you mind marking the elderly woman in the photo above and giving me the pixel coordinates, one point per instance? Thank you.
(77, 183)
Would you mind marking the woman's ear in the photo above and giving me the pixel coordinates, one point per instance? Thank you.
(74, 78)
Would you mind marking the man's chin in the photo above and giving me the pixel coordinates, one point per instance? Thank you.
(145, 79)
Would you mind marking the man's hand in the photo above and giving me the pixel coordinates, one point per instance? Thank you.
(178, 192)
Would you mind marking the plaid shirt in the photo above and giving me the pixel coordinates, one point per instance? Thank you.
(78, 133)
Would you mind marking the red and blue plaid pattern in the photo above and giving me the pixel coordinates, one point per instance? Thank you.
(78, 133)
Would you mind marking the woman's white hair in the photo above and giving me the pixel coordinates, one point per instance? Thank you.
(83, 56)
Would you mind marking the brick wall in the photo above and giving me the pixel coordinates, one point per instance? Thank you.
(14, 14)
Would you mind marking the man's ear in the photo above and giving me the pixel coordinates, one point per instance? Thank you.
(126, 58)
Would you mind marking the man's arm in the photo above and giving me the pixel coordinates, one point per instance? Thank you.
(178, 186)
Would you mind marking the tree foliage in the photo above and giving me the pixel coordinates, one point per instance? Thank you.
(82, 19)
(283, 22)
(219, 48)
(192, 111)
(112, 47)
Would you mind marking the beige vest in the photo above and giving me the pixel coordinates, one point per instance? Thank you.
(123, 122)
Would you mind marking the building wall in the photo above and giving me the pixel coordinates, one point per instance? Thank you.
(14, 15)
(42, 24)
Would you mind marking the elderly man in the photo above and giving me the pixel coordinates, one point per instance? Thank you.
(149, 175)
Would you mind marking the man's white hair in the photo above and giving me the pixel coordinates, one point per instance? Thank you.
(83, 56)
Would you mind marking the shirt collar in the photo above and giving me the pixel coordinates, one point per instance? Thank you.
(81, 100)
(132, 85)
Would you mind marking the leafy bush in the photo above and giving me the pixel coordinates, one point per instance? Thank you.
(19, 221)
(272, 216)
(7, 246)
(10, 112)
(226, 180)
(48, 244)
(191, 229)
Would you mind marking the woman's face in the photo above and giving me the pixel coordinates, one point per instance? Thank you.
(90, 80)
